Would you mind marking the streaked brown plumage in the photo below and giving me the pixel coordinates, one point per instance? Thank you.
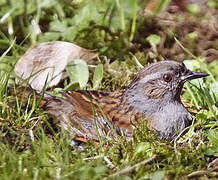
(76, 110)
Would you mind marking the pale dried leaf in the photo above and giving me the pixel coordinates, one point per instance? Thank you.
(48, 61)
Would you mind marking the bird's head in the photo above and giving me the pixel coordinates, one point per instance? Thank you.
(163, 80)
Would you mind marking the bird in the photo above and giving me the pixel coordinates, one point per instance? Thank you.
(152, 96)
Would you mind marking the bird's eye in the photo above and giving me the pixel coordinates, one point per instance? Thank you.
(167, 77)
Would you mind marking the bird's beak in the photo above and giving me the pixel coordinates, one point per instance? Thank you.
(194, 75)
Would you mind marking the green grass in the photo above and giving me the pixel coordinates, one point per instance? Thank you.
(31, 144)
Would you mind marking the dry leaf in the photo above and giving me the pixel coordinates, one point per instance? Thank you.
(47, 61)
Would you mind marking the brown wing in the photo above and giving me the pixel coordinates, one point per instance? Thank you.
(76, 114)
(117, 114)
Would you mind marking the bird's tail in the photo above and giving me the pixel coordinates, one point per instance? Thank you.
(51, 104)
(26, 95)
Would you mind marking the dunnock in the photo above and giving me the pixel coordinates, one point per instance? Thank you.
(153, 95)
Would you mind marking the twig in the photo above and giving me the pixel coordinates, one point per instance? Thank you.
(198, 173)
(136, 60)
(130, 169)
(31, 135)
(93, 158)
(214, 163)
(202, 173)
(176, 139)
(110, 164)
